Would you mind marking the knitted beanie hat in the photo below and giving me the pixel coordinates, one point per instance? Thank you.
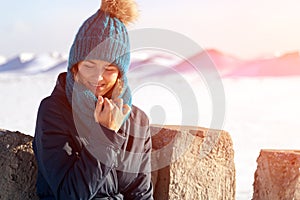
(104, 36)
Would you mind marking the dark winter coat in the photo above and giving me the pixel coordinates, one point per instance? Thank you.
(69, 168)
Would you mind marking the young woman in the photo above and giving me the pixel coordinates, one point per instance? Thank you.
(90, 142)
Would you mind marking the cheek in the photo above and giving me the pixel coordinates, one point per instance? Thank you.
(85, 77)
(112, 78)
(78, 77)
(84, 74)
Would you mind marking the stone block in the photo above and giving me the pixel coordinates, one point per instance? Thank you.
(192, 163)
(188, 163)
(17, 165)
(277, 175)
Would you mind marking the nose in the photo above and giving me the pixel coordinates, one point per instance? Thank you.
(100, 77)
(100, 74)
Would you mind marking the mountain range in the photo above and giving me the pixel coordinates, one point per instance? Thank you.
(227, 65)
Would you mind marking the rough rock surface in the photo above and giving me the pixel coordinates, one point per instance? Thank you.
(277, 175)
(200, 164)
(189, 163)
(17, 166)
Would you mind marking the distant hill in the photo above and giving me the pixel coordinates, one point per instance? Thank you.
(226, 65)
(285, 65)
(29, 64)
(209, 59)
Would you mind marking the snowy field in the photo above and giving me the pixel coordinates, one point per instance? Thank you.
(261, 113)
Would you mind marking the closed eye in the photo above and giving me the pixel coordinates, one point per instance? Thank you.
(89, 66)
(111, 68)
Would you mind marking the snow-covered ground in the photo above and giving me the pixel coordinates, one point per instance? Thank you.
(260, 112)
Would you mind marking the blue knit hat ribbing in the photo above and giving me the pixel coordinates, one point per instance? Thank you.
(102, 37)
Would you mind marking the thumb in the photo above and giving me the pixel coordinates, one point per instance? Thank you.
(98, 109)
(100, 99)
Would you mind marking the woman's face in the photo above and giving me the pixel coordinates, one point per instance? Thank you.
(98, 76)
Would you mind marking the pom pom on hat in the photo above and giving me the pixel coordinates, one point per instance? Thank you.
(125, 10)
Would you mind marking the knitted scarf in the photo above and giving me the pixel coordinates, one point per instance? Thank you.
(83, 101)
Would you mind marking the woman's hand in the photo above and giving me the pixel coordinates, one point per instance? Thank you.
(111, 113)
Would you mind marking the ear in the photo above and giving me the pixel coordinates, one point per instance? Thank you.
(74, 71)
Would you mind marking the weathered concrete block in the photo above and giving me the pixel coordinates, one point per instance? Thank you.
(277, 175)
(192, 163)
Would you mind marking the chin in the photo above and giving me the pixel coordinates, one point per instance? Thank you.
(97, 94)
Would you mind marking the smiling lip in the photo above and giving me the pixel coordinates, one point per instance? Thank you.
(96, 85)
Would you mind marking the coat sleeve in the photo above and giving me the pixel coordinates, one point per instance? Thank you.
(141, 188)
(71, 172)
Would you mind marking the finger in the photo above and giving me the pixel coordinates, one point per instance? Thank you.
(126, 109)
(100, 99)
(112, 103)
(99, 104)
(119, 102)
(99, 107)
(108, 106)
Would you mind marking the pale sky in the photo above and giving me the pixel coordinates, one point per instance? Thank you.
(245, 28)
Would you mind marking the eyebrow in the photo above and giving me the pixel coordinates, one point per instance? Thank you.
(111, 65)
